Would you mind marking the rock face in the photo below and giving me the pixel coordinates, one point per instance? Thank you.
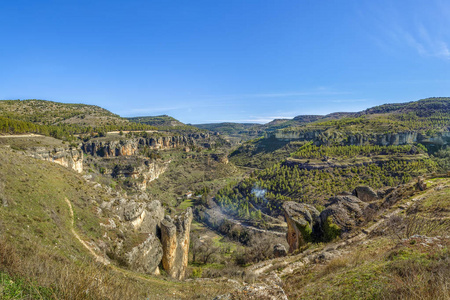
(147, 256)
(145, 217)
(323, 137)
(175, 243)
(127, 147)
(167, 239)
(147, 171)
(69, 158)
(341, 215)
(300, 219)
(365, 193)
(343, 211)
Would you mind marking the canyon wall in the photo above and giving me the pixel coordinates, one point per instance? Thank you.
(67, 157)
(324, 137)
(130, 146)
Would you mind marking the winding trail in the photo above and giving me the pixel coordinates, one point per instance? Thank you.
(99, 258)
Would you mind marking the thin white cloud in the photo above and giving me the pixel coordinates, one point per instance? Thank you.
(425, 30)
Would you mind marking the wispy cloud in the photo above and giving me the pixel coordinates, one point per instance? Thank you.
(423, 29)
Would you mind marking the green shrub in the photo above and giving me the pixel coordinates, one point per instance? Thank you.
(330, 230)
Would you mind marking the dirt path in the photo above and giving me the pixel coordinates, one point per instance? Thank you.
(99, 258)
(21, 135)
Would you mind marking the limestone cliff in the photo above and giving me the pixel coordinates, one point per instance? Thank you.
(175, 243)
(130, 146)
(146, 256)
(144, 170)
(155, 238)
(67, 157)
(327, 137)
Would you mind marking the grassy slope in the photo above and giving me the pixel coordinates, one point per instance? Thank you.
(37, 246)
(387, 266)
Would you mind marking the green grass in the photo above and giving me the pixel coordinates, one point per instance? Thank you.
(376, 270)
(38, 247)
(18, 288)
(185, 204)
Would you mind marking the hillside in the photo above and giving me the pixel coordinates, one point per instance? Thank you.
(52, 113)
(60, 120)
(330, 207)
(39, 248)
(231, 129)
(157, 121)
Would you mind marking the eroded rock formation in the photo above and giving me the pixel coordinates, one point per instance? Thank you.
(130, 146)
(67, 157)
(340, 216)
(175, 243)
(323, 137)
(300, 219)
(146, 171)
(365, 193)
(146, 256)
(343, 211)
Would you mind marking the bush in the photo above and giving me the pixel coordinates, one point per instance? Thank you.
(330, 230)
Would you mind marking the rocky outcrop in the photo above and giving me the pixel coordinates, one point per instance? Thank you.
(324, 137)
(130, 146)
(365, 193)
(300, 219)
(146, 171)
(297, 135)
(175, 243)
(147, 256)
(67, 157)
(345, 212)
(342, 214)
(220, 157)
(143, 216)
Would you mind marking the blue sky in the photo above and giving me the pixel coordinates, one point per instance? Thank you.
(225, 60)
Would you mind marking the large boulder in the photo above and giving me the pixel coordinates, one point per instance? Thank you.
(147, 256)
(133, 210)
(300, 219)
(365, 193)
(153, 217)
(341, 215)
(175, 243)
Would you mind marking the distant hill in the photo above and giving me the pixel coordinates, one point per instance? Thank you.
(422, 108)
(230, 128)
(44, 112)
(424, 121)
(60, 120)
(157, 121)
